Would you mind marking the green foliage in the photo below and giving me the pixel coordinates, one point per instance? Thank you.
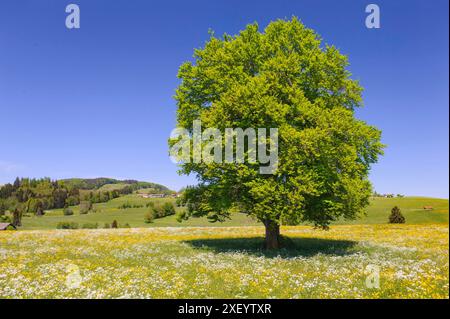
(5, 219)
(179, 202)
(159, 211)
(73, 201)
(67, 212)
(85, 207)
(281, 78)
(3, 206)
(33, 204)
(168, 209)
(163, 210)
(90, 226)
(114, 224)
(110, 184)
(149, 217)
(67, 225)
(59, 196)
(125, 206)
(18, 209)
(396, 216)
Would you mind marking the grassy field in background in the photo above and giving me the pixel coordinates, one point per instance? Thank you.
(411, 207)
(377, 213)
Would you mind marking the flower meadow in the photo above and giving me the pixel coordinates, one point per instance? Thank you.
(226, 262)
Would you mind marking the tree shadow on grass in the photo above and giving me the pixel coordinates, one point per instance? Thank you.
(291, 247)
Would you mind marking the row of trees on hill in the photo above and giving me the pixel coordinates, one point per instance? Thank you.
(375, 194)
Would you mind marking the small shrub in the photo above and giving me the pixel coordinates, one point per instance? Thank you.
(126, 225)
(125, 206)
(396, 216)
(90, 226)
(179, 202)
(181, 216)
(107, 225)
(128, 205)
(67, 212)
(114, 224)
(149, 217)
(5, 219)
(85, 207)
(150, 204)
(157, 211)
(67, 225)
(168, 209)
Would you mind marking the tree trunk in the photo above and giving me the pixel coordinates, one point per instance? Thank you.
(272, 235)
(17, 218)
(39, 212)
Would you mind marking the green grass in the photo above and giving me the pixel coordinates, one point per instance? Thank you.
(149, 190)
(411, 207)
(377, 213)
(113, 187)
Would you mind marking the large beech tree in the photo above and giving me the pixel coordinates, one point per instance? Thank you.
(285, 78)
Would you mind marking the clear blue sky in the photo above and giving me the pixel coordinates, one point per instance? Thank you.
(97, 101)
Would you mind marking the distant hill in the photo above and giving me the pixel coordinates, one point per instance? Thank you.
(108, 184)
(35, 196)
